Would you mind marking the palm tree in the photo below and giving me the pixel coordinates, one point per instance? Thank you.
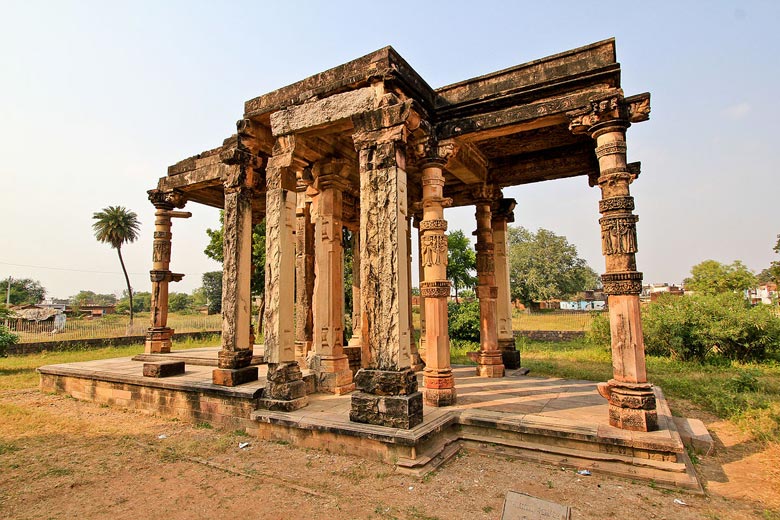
(116, 225)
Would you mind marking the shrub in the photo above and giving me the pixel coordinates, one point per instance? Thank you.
(464, 321)
(599, 334)
(7, 338)
(701, 326)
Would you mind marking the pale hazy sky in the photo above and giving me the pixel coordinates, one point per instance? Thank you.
(98, 98)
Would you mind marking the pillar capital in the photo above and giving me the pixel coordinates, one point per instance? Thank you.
(432, 153)
(609, 114)
(167, 200)
(503, 210)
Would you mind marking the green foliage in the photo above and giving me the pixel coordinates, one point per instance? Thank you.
(545, 266)
(599, 334)
(464, 321)
(704, 326)
(178, 302)
(7, 338)
(23, 291)
(214, 251)
(142, 302)
(90, 298)
(712, 277)
(212, 287)
(461, 262)
(771, 273)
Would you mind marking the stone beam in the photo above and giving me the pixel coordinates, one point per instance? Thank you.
(468, 164)
(310, 116)
(566, 161)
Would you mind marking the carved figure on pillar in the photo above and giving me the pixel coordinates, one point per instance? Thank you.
(503, 213)
(304, 273)
(490, 361)
(438, 380)
(158, 335)
(387, 389)
(632, 404)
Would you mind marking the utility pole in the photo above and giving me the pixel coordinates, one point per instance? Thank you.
(8, 297)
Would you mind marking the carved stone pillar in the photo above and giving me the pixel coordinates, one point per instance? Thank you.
(328, 360)
(235, 355)
(388, 393)
(502, 214)
(285, 389)
(632, 404)
(304, 276)
(435, 287)
(490, 362)
(421, 276)
(417, 362)
(158, 335)
(355, 340)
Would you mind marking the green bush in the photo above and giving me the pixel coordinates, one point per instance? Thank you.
(464, 321)
(703, 326)
(599, 335)
(7, 338)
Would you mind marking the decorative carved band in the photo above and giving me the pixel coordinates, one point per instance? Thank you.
(161, 251)
(622, 283)
(616, 204)
(163, 235)
(618, 235)
(438, 289)
(167, 199)
(617, 147)
(434, 249)
(486, 263)
(433, 225)
(433, 180)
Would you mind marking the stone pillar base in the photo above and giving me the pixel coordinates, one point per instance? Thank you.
(234, 359)
(353, 354)
(158, 340)
(632, 406)
(285, 389)
(439, 388)
(387, 398)
(333, 374)
(509, 353)
(233, 376)
(490, 364)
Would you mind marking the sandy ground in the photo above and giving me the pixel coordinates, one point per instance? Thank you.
(62, 458)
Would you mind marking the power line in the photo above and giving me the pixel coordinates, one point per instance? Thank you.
(78, 270)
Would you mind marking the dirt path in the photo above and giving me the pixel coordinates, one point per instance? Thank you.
(61, 458)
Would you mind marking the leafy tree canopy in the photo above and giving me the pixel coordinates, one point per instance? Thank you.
(214, 251)
(24, 291)
(713, 277)
(212, 287)
(90, 298)
(142, 302)
(461, 262)
(545, 266)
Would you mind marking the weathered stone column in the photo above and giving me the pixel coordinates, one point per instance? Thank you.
(304, 275)
(285, 389)
(435, 287)
(421, 276)
(356, 340)
(158, 335)
(328, 360)
(502, 214)
(490, 362)
(632, 404)
(417, 362)
(236, 354)
(388, 392)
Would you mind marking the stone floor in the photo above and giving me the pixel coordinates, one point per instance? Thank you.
(527, 413)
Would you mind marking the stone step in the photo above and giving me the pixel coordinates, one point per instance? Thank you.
(695, 435)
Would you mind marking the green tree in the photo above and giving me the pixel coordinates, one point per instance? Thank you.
(713, 277)
(7, 338)
(544, 266)
(142, 302)
(115, 226)
(198, 297)
(461, 262)
(91, 298)
(23, 291)
(212, 286)
(214, 251)
(771, 273)
(178, 302)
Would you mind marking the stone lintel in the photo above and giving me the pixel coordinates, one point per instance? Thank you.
(325, 111)
(234, 376)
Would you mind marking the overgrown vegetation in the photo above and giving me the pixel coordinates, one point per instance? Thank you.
(7, 338)
(464, 321)
(703, 328)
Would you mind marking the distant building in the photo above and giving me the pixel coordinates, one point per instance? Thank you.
(766, 294)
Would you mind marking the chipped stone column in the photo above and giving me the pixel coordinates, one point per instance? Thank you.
(328, 360)
(285, 389)
(304, 275)
(632, 404)
(387, 390)
(503, 213)
(421, 276)
(158, 335)
(417, 362)
(235, 356)
(490, 362)
(438, 380)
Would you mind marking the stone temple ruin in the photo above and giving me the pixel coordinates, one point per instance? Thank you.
(370, 147)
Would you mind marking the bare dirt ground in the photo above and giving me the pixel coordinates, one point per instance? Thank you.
(62, 458)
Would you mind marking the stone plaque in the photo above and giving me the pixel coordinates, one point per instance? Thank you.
(519, 506)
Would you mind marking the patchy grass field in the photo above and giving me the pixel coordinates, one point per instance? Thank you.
(63, 458)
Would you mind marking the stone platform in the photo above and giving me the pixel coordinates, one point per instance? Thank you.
(554, 421)
(197, 356)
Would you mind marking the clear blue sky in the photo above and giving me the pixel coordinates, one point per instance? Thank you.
(98, 98)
